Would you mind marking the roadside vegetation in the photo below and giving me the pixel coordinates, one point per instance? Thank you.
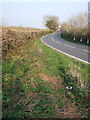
(51, 22)
(76, 29)
(65, 37)
(15, 37)
(35, 78)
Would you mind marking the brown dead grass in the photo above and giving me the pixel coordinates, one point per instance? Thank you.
(54, 80)
(15, 37)
(69, 110)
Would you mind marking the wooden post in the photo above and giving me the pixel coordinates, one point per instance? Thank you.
(74, 38)
(81, 40)
(87, 41)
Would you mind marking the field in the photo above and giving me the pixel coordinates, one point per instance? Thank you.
(35, 78)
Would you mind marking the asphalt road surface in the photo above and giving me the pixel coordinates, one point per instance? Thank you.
(77, 51)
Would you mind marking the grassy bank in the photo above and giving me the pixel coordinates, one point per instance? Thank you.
(34, 84)
(65, 37)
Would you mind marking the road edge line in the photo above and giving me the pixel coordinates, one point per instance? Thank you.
(63, 52)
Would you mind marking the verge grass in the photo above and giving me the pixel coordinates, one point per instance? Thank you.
(34, 84)
(75, 41)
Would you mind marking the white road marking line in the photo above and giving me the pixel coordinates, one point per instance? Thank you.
(55, 40)
(58, 42)
(69, 46)
(64, 52)
(86, 50)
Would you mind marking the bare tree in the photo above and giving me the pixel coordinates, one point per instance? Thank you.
(79, 21)
(76, 25)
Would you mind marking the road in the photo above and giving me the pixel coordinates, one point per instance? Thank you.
(74, 50)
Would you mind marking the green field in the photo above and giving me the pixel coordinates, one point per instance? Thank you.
(34, 84)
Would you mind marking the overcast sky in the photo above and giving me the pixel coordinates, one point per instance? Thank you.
(30, 14)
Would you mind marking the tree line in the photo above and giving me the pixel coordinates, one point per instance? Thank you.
(75, 28)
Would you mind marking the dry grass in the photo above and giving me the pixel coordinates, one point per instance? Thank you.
(14, 37)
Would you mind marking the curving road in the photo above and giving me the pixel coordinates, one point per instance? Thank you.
(77, 51)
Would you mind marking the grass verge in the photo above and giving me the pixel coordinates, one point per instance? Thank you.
(71, 40)
(34, 84)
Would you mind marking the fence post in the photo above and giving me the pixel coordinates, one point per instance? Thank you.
(74, 38)
(87, 41)
(81, 40)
